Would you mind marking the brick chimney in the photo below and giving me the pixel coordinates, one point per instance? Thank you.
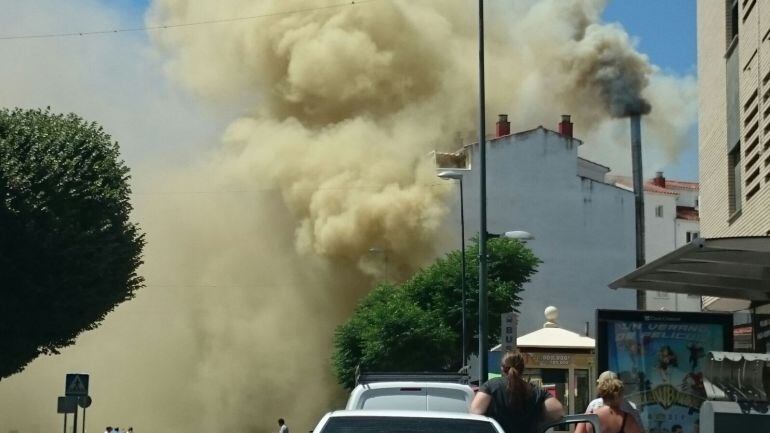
(565, 126)
(659, 180)
(503, 125)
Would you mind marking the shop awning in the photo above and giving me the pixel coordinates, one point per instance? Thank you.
(735, 268)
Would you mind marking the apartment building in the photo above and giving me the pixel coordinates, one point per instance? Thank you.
(583, 225)
(671, 220)
(734, 117)
(730, 263)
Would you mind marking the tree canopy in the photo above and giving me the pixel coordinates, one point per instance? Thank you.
(68, 251)
(417, 325)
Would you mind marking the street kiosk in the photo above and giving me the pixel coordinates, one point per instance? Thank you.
(560, 360)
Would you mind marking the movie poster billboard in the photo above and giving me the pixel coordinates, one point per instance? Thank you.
(660, 357)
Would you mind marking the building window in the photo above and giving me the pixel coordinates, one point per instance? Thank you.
(734, 179)
(691, 236)
(659, 211)
(661, 295)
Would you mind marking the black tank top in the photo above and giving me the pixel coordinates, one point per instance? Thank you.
(623, 425)
(501, 408)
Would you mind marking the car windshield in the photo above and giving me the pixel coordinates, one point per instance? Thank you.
(392, 424)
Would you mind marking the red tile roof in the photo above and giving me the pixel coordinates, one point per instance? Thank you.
(687, 213)
(678, 184)
(651, 187)
(671, 185)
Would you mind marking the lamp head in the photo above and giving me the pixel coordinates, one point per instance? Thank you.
(449, 174)
(520, 235)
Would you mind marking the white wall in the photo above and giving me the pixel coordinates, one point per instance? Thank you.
(663, 235)
(687, 197)
(584, 230)
(659, 231)
(591, 170)
(684, 226)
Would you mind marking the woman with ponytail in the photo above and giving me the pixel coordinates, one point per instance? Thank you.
(517, 405)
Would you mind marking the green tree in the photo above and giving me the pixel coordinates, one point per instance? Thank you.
(68, 252)
(417, 325)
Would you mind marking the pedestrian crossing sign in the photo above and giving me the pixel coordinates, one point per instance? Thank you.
(76, 385)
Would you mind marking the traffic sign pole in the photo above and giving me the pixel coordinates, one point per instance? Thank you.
(65, 422)
(75, 422)
(83, 430)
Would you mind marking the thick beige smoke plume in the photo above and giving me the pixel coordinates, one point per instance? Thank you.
(324, 184)
(345, 102)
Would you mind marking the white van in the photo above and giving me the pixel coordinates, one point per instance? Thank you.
(412, 395)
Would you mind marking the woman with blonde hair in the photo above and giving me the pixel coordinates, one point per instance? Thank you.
(517, 405)
(611, 417)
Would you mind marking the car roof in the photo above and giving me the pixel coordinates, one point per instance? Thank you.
(408, 384)
(407, 413)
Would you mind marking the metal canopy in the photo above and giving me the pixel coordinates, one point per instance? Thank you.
(737, 268)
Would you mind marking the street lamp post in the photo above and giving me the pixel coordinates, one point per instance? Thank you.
(459, 177)
(483, 373)
(519, 235)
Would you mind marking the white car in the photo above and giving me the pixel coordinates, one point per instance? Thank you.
(404, 421)
(412, 395)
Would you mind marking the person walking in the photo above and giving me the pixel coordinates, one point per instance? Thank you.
(611, 417)
(626, 406)
(282, 427)
(517, 405)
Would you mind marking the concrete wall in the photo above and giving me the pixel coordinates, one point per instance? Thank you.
(682, 228)
(664, 234)
(687, 197)
(659, 230)
(753, 50)
(584, 230)
(591, 170)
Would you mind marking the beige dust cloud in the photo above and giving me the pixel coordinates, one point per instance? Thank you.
(344, 105)
(324, 184)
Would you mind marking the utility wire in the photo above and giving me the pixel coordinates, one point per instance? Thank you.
(180, 25)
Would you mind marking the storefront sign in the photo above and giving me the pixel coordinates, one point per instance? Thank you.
(508, 331)
(545, 360)
(762, 329)
(742, 338)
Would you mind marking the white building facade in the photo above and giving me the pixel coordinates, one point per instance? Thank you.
(671, 220)
(583, 226)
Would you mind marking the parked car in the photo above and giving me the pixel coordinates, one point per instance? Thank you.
(425, 396)
(410, 391)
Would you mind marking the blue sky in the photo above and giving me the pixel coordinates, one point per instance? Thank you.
(665, 30)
